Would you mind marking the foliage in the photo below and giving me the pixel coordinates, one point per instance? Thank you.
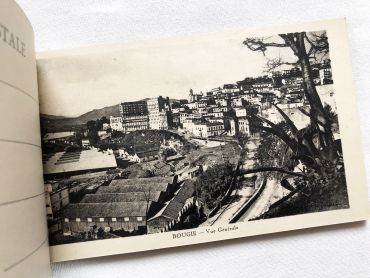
(214, 183)
(273, 152)
(242, 139)
(143, 140)
(191, 219)
(316, 193)
(92, 129)
(166, 152)
(314, 145)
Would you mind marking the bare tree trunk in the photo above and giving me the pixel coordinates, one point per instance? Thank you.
(317, 110)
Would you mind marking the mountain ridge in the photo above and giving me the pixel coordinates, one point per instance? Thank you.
(56, 123)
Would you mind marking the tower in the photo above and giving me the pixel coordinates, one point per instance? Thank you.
(191, 96)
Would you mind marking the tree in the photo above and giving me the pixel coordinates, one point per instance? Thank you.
(314, 145)
(104, 120)
(307, 47)
(242, 139)
(168, 151)
(214, 183)
(272, 152)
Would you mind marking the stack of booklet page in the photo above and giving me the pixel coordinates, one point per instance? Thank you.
(155, 144)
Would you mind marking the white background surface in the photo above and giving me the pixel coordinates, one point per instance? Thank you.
(341, 251)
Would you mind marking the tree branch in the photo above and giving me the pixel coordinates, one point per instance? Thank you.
(261, 44)
(275, 63)
(290, 41)
(287, 119)
(317, 121)
(278, 132)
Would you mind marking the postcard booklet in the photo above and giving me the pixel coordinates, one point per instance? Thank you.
(146, 145)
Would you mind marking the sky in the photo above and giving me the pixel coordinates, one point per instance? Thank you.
(74, 82)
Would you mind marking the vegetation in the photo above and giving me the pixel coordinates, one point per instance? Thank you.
(191, 219)
(213, 184)
(93, 127)
(167, 152)
(143, 139)
(273, 152)
(321, 183)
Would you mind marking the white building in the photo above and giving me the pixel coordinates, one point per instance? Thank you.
(187, 173)
(325, 75)
(194, 97)
(85, 143)
(204, 130)
(236, 102)
(263, 87)
(192, 105)
(56, 198)
(215, 114)
(106, 126)
(240, 112)
(157, 108)
(252, 98)
(230, 88)
(244, 126)
(116, 123)
(221, 102)
(184, 116)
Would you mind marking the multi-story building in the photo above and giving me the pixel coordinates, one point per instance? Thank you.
(325, 76)
(215, 129)
(263, 87)
(215, 114)
(230, 126)
(197, 105)
(204, 129)
(243, 125)
(292, 81)
(135, 115)
(237, 101)
(240, 112)
(116, 123)
(252, 98)
(158, 111)
(194, 97)
(56, 198)
(184, 116)
(192, 105)
(221, 102)
(230, 88)
(224, 108)
(133, 108)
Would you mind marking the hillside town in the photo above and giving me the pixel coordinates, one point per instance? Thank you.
(149, 169)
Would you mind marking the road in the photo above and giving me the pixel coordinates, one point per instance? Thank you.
(262, 204)
(239, 196)
(227, 211)
(270, 194)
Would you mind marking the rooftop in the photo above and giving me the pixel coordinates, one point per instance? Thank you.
(117, 209)
(58, 135)
(133, 188)
(175, 205)
(150, 180)
(64, 162)
(121, 197)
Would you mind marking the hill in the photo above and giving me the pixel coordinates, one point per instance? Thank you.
(51, 123)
